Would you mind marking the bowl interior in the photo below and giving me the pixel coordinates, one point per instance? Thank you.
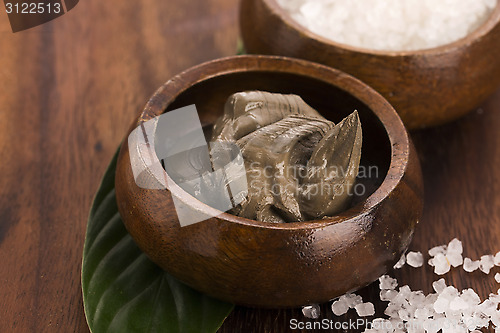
(331, 101)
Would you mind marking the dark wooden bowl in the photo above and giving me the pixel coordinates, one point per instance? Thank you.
(427, 88)
(280, 265)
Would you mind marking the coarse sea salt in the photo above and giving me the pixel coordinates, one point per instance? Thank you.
(386, 282)
(311, 311)
(440, 263)
(441, 249)
(401, 262)
(446, 310)
(340, 307)
(443, 257)
(470, 265)
(345, 302)
(455, 246)
(439, 285)
(391, 25)
(454, 253)
(415, 259)
(496, 260)
(388, 295)
(365, 309)
(486, 263)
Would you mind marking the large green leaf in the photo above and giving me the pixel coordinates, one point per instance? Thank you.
(123, 291)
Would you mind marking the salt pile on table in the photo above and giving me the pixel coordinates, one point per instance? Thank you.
(447, 310)
(391, 25)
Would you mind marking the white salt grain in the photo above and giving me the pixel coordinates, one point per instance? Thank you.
(495, 298)
(441, 264)
(495, 318)
(488, 307)
(387, 295)
(346, 302)
(439, 285)
(405, 291)
(442, 304)
(497, 277)
(455, 246)
(392, 310)
(417, 298)
(444, 256)
(401, 262)
(340, 307)
(471, 297)
(455, 259)
(458, 304)
(496, 260)
(404, 314)
(386, 282)
(365, 309)
(353, 300)
(390, 24)
(437, 250)
(415, 259)
(311, 311)
(380, 325)
(450, 292)
(486, 263)
(431, 326)
(422, 313)
(470, 265)
(481, 319)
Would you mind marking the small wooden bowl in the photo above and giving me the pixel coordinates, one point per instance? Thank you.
(427, 88)
(253, 263)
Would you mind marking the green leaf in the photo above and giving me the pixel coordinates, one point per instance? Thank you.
(124, 291)
(240, 48)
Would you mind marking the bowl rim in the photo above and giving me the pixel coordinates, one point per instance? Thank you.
(384, 112)
(489, 24)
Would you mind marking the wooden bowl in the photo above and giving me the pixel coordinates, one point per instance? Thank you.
(253, 263)
(427, 88)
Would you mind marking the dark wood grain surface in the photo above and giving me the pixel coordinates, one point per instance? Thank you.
(70, 89)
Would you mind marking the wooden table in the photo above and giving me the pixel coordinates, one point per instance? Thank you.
(70, 88)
